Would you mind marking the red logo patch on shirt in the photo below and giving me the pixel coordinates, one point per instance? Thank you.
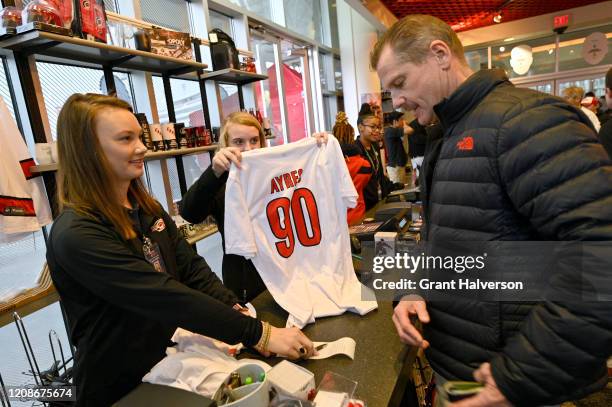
(467, 143)
(158, 226)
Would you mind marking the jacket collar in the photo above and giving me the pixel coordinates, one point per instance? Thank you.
(469, 94)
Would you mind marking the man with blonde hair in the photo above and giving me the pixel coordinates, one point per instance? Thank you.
(512, 164)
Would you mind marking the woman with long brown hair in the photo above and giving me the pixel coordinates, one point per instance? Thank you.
(126, 278)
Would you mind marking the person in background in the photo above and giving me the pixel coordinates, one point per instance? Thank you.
(240, 133)
(359, 168)
(513, 164)
(379, 186)
(574, 95)
(417, 139)
(605, 133)
(125, 276)
(394, 141)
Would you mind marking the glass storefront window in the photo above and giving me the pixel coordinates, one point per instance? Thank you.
(326, 72)
(330, 108)
(229, 99)
(295, 92)
(5, 92)
(525, 58)
(477, 59)
(594, 84)
(266, 92)
(338, 73)
(304, 17)
(222, 22)
(58, 82)
(571, 46)
(262, 8)
(187, 101)
(333, 22)
(168, 13)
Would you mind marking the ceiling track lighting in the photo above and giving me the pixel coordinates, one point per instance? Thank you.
(497, 15)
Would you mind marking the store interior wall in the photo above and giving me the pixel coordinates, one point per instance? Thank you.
(356, 37)
(580, 17)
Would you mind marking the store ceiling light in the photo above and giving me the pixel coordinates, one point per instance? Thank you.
(509, 39)
(497, 18)
(502, 49)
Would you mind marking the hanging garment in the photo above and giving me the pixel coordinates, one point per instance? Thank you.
(23, 203)
(286, 210)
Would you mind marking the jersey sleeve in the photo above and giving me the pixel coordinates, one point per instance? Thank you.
(239, 236)
(346, 187)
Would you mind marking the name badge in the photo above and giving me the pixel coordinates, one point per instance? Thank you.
(152, 254)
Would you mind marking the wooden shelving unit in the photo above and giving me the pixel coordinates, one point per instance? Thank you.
(77, 49)
(151, 155)
(233, 76)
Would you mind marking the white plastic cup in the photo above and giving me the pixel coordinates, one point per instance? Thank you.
(252, 395)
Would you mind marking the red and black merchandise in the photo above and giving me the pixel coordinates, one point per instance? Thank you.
(90, 20)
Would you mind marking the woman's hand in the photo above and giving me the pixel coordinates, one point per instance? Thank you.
(223, 159)
(321, 137)
(289, 342)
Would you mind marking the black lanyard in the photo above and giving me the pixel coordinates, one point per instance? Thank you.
(375, 163)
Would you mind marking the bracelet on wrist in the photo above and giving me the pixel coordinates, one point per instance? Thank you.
(264, 340)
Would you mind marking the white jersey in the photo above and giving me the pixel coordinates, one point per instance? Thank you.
(286, 210)
(23, 203)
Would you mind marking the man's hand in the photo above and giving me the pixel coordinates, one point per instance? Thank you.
(224, 158)
(490, 396)
(410, 305)
(321, 138)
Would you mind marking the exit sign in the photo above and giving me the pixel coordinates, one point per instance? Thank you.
(561, 21)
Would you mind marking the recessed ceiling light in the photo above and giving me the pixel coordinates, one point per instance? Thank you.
(502, 49)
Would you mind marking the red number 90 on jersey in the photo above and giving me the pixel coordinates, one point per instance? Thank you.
(301, 212)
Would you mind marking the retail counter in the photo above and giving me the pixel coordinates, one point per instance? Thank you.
(381, 367)
(382, 363)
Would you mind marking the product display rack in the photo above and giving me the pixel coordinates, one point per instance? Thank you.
(151, 155)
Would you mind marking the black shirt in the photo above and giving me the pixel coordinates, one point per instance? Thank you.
(378, 179)
(207, 197)
(417, 140)
(122, 312)
(605, 136)
(395, 147)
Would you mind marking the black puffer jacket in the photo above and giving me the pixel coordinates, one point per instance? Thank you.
(515, 164)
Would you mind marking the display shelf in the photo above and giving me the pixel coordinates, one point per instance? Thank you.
(43, 168)
(151, 155)
(157, 155)
(202, 235)
(233, 76)
(77, 49)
